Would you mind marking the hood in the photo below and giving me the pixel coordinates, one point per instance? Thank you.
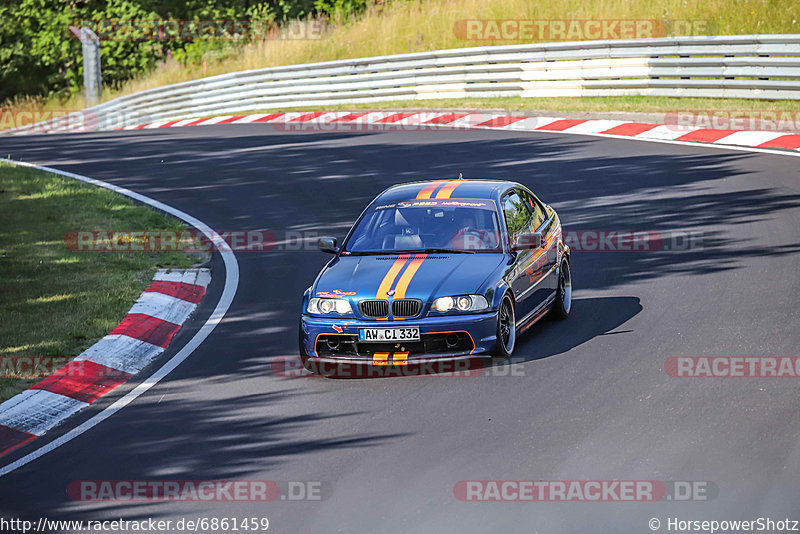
(422, 276)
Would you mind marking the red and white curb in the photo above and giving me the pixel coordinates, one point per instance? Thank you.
(140, 337)
(430, 120)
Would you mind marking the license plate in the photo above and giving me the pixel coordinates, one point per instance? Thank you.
(405, 333)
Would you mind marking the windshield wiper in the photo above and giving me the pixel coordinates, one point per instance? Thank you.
(433, 251)
(367, 252)
(409, 251)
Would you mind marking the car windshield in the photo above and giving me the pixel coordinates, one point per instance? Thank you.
(433, 225)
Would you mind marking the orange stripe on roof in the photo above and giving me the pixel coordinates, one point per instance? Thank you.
(448, 189)
(411, 270)
(428, 190)
(388, 280)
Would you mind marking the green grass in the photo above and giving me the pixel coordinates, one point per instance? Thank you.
(53, 301)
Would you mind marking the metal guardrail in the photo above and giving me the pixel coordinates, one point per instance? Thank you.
(739, 66)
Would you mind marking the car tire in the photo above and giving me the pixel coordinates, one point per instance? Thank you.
(563, 302)
(506, 329)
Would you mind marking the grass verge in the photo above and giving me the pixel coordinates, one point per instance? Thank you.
(56, 302)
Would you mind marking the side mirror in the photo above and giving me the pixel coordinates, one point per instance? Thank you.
(328, 244)
(528, 240)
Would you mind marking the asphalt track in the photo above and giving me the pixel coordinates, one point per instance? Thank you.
(588, 400)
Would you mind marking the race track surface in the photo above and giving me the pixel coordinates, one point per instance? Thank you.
(588, 398)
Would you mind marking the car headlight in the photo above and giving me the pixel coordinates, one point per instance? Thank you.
(460, 303)
(326, 306)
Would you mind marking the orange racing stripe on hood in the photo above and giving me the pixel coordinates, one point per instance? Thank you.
(388, 280)
(411, 270)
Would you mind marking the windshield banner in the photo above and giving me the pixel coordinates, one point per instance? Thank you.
(477, 203)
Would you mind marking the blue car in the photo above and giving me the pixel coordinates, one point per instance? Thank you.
(442, 270)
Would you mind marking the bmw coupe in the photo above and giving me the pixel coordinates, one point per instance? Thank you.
(444, 269)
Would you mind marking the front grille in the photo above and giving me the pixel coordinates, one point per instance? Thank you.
(406, 307)
(374, 308)
(348, 346)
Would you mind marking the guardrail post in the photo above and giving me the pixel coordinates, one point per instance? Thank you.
(92, 76)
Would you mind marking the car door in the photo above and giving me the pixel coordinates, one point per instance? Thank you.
(544, 260)
(518, 219)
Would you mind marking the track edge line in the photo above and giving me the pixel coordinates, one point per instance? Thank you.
(224, 303)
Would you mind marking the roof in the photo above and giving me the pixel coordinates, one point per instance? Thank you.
(472, 188)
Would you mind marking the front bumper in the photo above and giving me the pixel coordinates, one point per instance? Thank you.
(453, 337)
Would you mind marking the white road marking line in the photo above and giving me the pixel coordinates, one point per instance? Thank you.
(228, 292)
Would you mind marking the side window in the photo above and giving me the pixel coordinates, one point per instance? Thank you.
(517, 214)
(539, 216)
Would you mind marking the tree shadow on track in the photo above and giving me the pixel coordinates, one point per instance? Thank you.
(252, 178)
(175, 437)
(245, 177)
(311, 184)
